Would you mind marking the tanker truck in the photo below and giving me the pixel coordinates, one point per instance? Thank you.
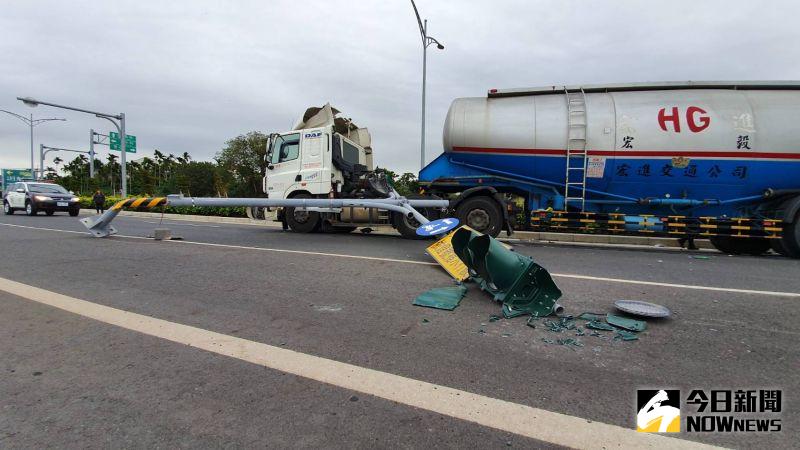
(717, 160)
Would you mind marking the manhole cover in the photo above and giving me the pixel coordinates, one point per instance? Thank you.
(640, 308)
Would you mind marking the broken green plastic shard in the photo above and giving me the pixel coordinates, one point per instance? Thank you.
(625, 323)
(596, 325)
(570, 341)
(591, 316)
(510, 313)
(442, 298)
(626, 335)
(494, 318)
(531, 321)
(562, 324)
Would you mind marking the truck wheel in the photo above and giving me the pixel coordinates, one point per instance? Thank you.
(754, 246)
(7, 209)
(302, 221)
(724, 244)
(779, 247)
(789, 243)
(739, 246)
(30, 209)
(74, 212)
(482, 214)
(405, 226)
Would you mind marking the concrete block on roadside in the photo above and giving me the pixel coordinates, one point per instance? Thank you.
(592, 238)
(162, 234)
(629, 240)
(559, 237)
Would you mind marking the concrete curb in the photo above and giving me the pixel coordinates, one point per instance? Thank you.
(524, 236)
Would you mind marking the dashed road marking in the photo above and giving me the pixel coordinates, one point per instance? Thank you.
(523, 420)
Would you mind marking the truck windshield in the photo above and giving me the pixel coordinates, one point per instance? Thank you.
(285, 148)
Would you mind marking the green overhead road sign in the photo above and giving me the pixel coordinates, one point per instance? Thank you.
(130, 142)
(10, 176)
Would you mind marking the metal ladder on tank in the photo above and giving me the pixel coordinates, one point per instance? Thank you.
(575, 179)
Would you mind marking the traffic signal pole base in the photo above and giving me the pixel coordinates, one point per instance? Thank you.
(100, 226)
(512, 279)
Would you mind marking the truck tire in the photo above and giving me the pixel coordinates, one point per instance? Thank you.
(789, 243)
(740, 246)
(7, 209)
(302, 221)
(482, 214)
(30, 209)
(779, 247)
(405, 226)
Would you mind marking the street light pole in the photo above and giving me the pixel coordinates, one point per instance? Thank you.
(31, 123)
(91, 153)
(33, 171)
(117, 119)
(44, 149)
(426, 41)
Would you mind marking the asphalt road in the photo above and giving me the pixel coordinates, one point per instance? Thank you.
(77, 382)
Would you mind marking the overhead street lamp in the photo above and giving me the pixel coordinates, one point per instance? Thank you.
(31, 123)
(44, 149)
(117, 119)
(426, 41)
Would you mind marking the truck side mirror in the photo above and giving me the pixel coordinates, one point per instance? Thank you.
(20, 190)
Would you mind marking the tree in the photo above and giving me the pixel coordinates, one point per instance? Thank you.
(243, 163)
(405, 184)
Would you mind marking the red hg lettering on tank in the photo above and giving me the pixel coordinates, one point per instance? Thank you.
(696, 119)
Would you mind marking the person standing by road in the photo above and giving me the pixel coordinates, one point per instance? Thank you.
(99, 200)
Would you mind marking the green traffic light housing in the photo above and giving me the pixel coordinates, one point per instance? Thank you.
(513, 279)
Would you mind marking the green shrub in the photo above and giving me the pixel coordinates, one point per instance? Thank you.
(234, 211)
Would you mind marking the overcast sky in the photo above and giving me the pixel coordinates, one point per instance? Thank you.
(190, 75)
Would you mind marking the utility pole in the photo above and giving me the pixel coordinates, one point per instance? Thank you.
(31, 123)
(426, 41)
(117, 119)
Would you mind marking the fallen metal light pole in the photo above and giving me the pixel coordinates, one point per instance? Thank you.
(100, 226)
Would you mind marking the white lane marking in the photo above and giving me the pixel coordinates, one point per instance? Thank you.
(181, 224)
(427, 263)
(304, 252)
(678, 286)
(548, 426)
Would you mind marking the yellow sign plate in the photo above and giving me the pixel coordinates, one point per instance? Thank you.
(442, 252)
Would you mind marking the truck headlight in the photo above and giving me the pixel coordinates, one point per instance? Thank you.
(41, 198)
(75, 199)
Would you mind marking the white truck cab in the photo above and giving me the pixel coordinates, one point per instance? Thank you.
(326, 156)
(319, 158)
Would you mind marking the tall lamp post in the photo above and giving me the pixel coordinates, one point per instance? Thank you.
(31, 123)
(117, 119)
(426, 41)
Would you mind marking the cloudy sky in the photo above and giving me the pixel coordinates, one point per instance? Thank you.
(192, 74)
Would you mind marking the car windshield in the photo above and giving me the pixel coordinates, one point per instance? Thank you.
(47, 189)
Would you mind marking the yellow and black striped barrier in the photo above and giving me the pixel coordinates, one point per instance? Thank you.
(651, 225)
(139, 203)
(100, 226)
